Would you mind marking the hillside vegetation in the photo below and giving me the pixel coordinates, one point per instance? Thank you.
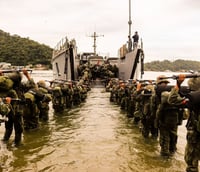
(23, 51)
(174, 66)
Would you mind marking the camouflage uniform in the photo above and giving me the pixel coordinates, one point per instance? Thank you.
(43, 105)
(168, 113)
(68, 93)
(131, 101)
(147, 118)
(122, 96)
(31, 111)
(192, 150)
(58, 99)
(76, 95)
(14, 116)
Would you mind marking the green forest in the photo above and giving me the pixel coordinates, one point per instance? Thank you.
(174, 66)
(22, 51)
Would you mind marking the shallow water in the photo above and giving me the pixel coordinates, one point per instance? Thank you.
(95, 136)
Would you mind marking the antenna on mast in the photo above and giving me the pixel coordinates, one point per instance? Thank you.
(94, 36)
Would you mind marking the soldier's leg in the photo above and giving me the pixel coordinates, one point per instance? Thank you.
(43, 111)
(154, 130)
(173, 139)
(8, 127)
(164, 141)
(18, 125)
(190, 158)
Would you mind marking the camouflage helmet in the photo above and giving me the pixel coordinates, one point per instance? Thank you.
(160, 79)
(149, 89)
(194, 84)
(41, 83)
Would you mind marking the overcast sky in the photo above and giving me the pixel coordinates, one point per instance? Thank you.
(170, 29)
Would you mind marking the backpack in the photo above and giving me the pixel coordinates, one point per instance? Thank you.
(6, 83)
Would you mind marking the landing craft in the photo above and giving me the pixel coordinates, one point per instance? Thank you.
(130, 61)
(65, 61)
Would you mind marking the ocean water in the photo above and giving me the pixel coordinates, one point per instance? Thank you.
(95, 136)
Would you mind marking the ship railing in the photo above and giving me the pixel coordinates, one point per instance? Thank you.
(63, 45)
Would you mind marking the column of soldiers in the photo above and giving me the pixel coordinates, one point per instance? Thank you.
(160, 108)
(156, 106)
(23, 100)
(67, 94)
(24, 104)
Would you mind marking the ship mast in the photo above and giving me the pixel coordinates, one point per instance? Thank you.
(94, 36)
(129, 22)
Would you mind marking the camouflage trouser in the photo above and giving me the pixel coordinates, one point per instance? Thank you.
(17, 122)
(31, 116)
(130, 108)
(43, 111)
(149, 127)
(192, 151)
(168, 139)
(123, 103)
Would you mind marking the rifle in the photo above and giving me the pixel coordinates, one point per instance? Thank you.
(58, 82)
(15, 70)
(12, 99)
(146, 81)
(160, 88)
(177, 76)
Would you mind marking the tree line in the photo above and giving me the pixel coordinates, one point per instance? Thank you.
(22, 51)
(174, 66)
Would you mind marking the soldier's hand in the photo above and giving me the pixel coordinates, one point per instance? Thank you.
(180, 79)
(185, 101)
(8, 100)
(25, 72)
(139, 85)
(1, 73)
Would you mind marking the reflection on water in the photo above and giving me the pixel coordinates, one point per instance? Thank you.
(95, 136)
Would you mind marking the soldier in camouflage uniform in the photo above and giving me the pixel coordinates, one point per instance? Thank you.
(58, 98)
(155, 103)
(131, 99)
(68, 92)
(168, 113)
(76, 94)
(32, 97)
(147, 120)
(138, 102)
(14, 116)
(122, 95)
(44, 104)
(192, 150)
